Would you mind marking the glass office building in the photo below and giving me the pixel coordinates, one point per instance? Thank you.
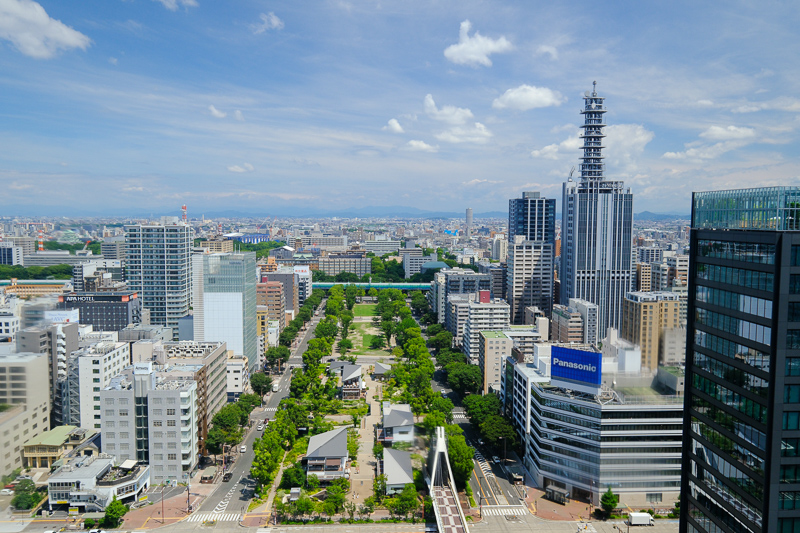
(741, 444)
(224, 289)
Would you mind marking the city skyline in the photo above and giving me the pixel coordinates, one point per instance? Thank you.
(151, 104)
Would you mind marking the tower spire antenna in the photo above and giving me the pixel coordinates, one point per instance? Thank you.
(594, 88)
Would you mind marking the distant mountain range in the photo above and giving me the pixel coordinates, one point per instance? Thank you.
(288, 211)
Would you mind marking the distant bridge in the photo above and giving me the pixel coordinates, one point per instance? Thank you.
(367, 286)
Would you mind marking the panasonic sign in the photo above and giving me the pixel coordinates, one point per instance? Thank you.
(576, 365)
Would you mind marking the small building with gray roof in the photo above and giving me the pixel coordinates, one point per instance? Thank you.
(327, 455)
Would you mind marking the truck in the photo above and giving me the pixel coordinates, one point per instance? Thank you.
(641, 519)
(275, 387)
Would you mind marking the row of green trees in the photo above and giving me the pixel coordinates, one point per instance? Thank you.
(304, 315)
(228, 423)
(413, 372)
(36, 272)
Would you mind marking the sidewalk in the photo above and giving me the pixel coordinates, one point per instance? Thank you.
(149, 516)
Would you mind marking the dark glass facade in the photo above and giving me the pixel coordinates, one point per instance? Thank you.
(741, 465)
(533, 217)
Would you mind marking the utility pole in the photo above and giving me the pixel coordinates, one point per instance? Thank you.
(162, 503)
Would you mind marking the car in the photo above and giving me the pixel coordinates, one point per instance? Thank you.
(480, 441)
(6, 492)
(227, 476)
(243, 448)
(495, 460)
(260, 427)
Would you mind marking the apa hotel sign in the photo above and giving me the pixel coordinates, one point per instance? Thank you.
(576, 365)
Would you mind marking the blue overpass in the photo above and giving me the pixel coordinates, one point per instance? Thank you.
(367, 286)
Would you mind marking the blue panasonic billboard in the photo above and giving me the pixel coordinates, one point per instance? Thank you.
(576, 365)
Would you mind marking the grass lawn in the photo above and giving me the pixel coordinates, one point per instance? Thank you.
(364, 309)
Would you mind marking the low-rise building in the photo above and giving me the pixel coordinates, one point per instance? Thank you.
(45, 450)
(396, 466)
(397, 424)
(90, 483)
(327, 455)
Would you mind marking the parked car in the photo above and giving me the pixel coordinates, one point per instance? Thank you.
(227, 476)
(6, 492)
(260, 427)
(243, 448)
(496, 460)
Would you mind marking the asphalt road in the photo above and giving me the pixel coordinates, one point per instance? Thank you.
(233, 496)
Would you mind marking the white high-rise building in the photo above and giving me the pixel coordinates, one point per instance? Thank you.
(159, 268)
(529, 279)
(596, 224)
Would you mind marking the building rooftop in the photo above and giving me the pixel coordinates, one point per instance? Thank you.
(763, 208)
(55, 437)
(397, 415)
(397, 467)
(83, 468)
(494, 334)
(329, 444)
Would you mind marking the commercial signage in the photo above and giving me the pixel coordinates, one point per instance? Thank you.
(76, 298)
(576, 365)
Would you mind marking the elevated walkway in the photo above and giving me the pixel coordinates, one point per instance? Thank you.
(449, 516)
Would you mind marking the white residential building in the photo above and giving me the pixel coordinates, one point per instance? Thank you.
(483, 315)
(159, 268)
(89, 371)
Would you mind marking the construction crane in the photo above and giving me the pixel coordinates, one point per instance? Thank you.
(259, 226)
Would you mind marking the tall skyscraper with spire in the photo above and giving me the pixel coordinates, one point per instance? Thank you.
(596, 223)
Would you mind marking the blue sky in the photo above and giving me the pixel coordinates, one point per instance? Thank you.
(149, 104)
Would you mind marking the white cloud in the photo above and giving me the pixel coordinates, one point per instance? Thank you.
(31, 30)
(393, 126)
(246, 167)
(216, 112)
(269, 21)
(450, 114)
(173, 5)
(527, 97)
(476, 181)
(547, 49)
(552, 151)
(706, 152)
(475, 50)
(625, 143)
(459, 134)
(238, 115)
(718, 133)
(421, 146)
(746, 109)
(112, 60)
(705, 103)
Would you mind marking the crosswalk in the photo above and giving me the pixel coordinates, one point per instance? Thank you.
(460, 415)
(215, 517)
(588, 527)
(270, 409)
(505, 510)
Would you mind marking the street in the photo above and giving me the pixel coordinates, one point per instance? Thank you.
(229, 501)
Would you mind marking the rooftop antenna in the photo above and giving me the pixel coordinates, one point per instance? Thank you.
(594, 88)
(570, 173)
